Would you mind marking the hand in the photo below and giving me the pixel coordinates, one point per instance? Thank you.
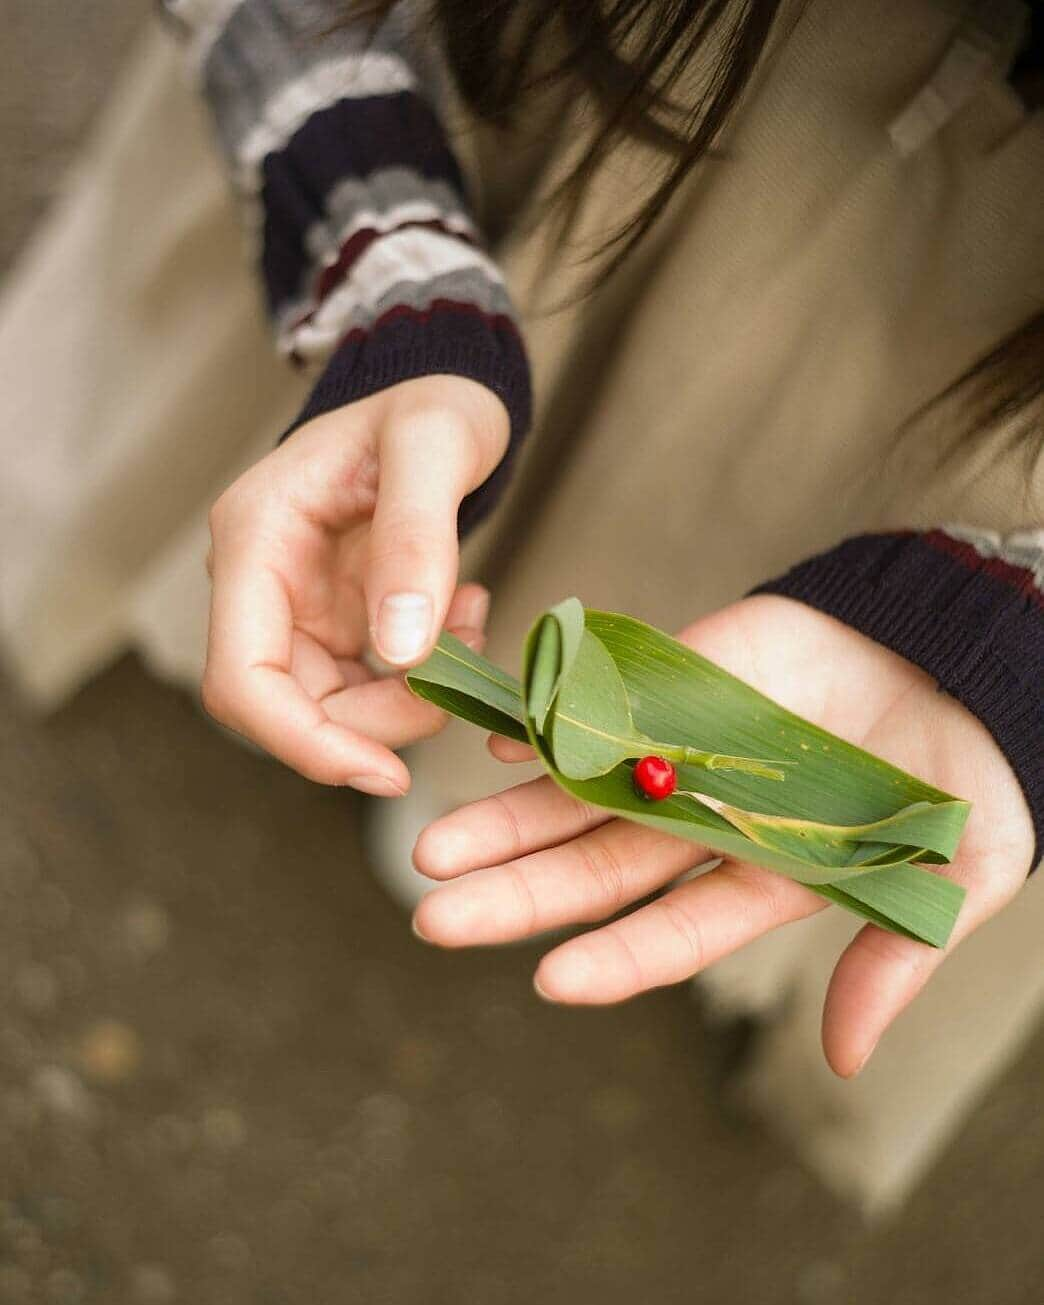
(534, 858)
(346, 535)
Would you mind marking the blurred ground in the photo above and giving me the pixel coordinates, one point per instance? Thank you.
(229, 1074)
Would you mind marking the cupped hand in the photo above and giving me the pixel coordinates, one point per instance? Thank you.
(344, 539)
(534, 858)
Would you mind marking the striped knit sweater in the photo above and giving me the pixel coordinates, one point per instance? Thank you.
(371, 261)
(374, 272)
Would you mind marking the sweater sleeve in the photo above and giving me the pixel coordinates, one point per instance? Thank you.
(965, 605)
(373, 268)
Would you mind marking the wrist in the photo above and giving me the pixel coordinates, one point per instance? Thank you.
(452, 343)
(461, 400)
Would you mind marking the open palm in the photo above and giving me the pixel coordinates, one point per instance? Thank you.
(534, 858)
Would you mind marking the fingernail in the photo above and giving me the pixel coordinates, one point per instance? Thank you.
(403, 626)
(418, 932)
(376, 785)
(540, 991)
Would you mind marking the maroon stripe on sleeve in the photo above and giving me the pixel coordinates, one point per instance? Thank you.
(495, 322)
(422, 316)
(1020, 578)
(357, 244)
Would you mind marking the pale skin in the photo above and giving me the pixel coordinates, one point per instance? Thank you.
(360, 504)
(351, 520)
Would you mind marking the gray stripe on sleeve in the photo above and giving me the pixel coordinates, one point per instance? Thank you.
(268, 45)
(381, 192)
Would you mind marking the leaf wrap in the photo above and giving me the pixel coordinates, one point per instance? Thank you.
(597, 689)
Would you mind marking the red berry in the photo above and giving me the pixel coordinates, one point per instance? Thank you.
(654, 778)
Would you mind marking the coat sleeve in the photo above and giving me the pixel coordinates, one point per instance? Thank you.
(373, 268)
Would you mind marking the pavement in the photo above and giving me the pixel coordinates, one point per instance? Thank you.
(229, 1075)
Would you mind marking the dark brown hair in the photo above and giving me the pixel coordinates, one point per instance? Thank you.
(629, 55)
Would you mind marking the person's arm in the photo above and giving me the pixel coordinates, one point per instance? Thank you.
(373, 268)
(345, 537)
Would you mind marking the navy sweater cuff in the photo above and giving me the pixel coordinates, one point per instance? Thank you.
(973, 620)
(448, 338)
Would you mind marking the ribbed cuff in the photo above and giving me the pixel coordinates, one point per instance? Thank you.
(448, 338)
(974, 623)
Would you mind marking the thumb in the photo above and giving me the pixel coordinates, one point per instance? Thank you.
(427, 462)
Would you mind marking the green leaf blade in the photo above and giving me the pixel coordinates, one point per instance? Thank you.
(591, 729)
(599, 687)
(469, 686)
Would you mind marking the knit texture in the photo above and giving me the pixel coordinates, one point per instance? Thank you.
(373, 266)
(450, 338)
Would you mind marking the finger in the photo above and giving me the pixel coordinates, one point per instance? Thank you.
(509, 750)
(427, 463)
(681, 933)
(318, 673)
(502, 827)
(469, 609)
(386, 710)
(587, 879)
(473, 636)
(352, 672)
(247, 686)
(382, 709)
(880, 973)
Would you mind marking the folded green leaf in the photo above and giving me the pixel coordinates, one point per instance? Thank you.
(467, 685)
(591, 730)
(567, 668)
(920, 825)
(598, 690)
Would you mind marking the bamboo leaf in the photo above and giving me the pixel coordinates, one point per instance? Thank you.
(467, 685)
(591, 727)
(904, 898)
(549, 654)
(600, 687)
(917, 828)
(544, 658)
(571, 619)
(576, 698)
